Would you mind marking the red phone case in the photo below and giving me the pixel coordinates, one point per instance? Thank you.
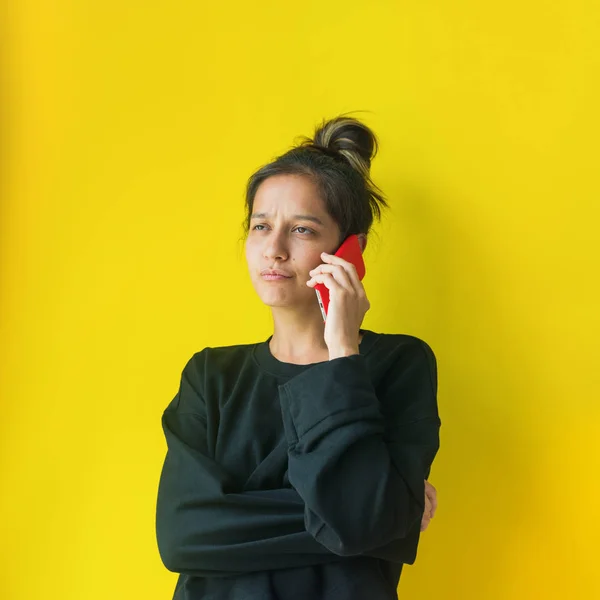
(350, 251)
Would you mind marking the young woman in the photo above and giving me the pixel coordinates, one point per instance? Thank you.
(296, 467)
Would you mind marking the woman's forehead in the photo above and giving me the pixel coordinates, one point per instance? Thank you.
(279, 196)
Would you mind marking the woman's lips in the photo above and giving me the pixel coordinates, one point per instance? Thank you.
(274, 277)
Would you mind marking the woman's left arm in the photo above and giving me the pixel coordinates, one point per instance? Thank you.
(360, 460)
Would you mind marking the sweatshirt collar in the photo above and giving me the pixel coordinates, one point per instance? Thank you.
(267, 362)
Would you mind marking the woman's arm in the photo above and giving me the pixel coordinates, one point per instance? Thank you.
(205, 527)
(359, 459)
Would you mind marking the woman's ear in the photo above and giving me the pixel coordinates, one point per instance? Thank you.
(362, 240)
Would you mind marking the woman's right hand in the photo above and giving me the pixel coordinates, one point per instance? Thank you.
(430, 505)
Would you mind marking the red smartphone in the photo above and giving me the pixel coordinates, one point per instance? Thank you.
(350, 251)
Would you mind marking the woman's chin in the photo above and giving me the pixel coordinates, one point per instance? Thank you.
(301, 304)
(277, 302)
(279, 296)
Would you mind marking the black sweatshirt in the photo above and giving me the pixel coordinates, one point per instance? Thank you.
(297, 482)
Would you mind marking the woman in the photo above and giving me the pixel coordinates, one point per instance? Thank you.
(296, 467)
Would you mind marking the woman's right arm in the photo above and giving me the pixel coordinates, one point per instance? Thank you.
(204, 529)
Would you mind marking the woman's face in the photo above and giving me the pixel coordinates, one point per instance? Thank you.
(289, 228)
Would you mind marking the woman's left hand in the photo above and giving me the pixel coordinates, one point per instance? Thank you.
(348, 304)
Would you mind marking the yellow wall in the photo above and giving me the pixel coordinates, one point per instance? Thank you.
(129, 129)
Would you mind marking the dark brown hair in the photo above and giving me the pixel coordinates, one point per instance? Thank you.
(338, 160)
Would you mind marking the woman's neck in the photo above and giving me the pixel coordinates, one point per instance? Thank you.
(301, 347)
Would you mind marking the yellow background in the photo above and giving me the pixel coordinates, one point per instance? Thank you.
(128, 132)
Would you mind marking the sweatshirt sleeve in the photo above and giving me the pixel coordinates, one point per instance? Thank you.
(203, 527)
(359, 458)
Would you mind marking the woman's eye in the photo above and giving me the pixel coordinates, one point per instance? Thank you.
(299, 227)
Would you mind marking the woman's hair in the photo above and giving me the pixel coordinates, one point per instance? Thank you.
(338, 160)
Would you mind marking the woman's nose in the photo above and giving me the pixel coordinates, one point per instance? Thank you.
(275, 255)
(275, 249)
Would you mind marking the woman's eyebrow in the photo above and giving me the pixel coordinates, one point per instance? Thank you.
(304, 217)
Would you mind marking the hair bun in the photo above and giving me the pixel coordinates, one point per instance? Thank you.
(350, 138)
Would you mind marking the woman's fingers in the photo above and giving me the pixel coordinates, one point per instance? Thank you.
(431, 492)
(339, 275)
(426, 514)
(425, 522)
(342, 269)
